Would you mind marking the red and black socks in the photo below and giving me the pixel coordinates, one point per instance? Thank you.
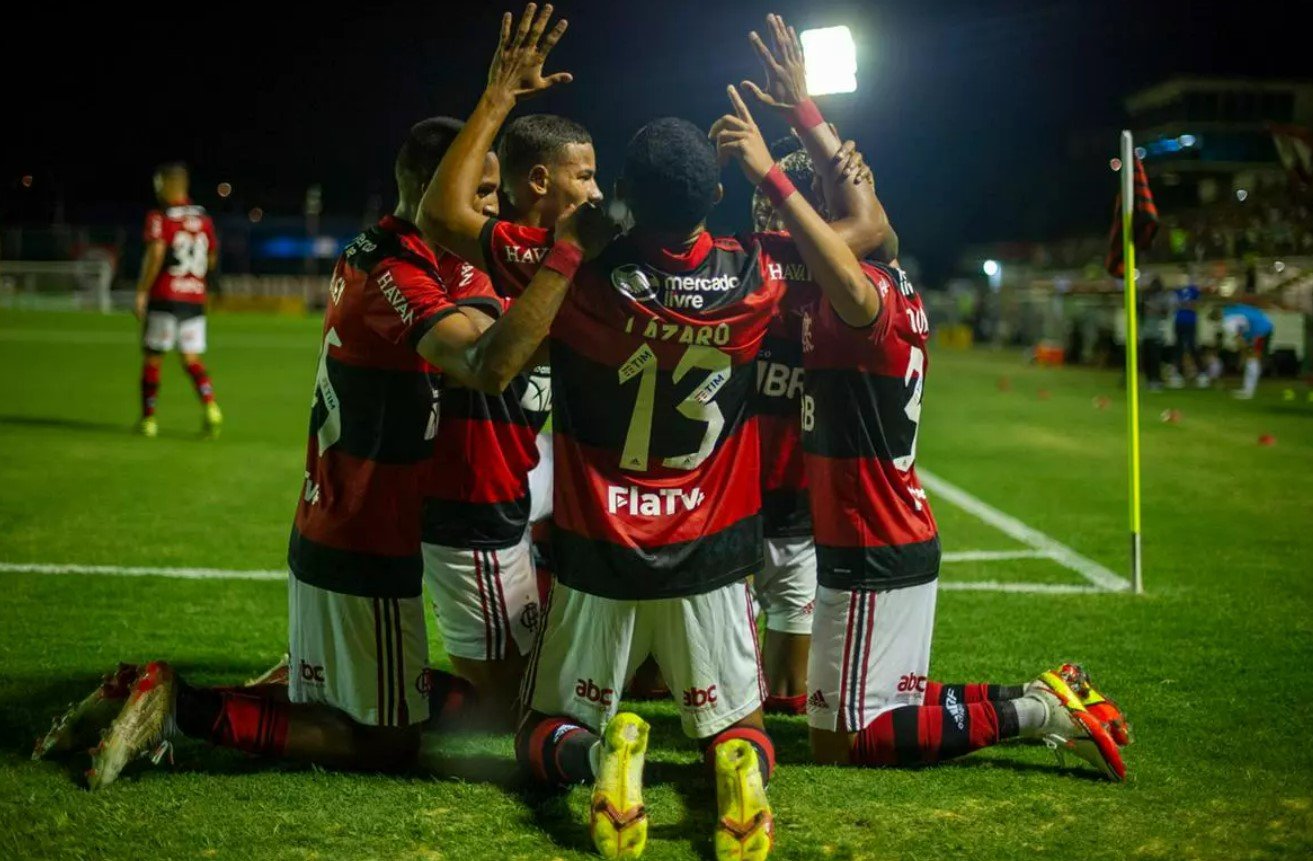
(201, 380)
(234, 719)
(150, 387)
(556, 751)
(921, 735)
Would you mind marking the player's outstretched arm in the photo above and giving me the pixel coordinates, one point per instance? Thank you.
(445, 214)
(834, 266)
(858, 216)
(487, 358)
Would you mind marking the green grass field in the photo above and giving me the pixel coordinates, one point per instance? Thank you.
(1213, 664)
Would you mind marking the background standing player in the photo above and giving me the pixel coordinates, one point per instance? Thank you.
(181, 252)
(863, 340)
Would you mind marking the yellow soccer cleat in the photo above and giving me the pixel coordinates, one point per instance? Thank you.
(143, 727)
(1105, 711)
(1071, 728)
(745, 830)
(81, 725)
(616, 816)
(148, 427)
(212, 422)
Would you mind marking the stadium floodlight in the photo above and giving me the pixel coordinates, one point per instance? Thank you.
(990, 268)
(831, 59)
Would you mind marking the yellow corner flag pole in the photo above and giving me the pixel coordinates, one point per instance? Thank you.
(1132, 354)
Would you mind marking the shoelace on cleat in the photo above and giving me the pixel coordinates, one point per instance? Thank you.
(165, 749)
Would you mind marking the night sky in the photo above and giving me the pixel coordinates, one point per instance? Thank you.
(965, 110)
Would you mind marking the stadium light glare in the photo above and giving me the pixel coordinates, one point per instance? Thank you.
(831, 59)
(1241, 194)
(27, 180)
(256, 214)
(225, 189)
(1187, 140)
(990, 268)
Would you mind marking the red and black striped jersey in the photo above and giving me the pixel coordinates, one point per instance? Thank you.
(373, 420)
(477, 495)
(187, 232)
(785, 511)
(861, 408)
(657, 490)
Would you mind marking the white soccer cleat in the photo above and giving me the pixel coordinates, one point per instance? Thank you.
(81, 725)
(143, 727)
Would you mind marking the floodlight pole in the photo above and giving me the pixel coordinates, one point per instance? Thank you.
(1132, 356)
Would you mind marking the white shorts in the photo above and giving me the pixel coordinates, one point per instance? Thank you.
(486, 601)
(786, 586)
(164, 330)
(870, 653)
(706, 646)
(540, 481)
(365, 656)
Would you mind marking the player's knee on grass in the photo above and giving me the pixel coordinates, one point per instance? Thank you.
(831, 748)
(497, 685)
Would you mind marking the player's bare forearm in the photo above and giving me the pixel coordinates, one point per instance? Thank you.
(152, 262)
(833, 265)
(447, 216)
(856, 212)
(487, 358)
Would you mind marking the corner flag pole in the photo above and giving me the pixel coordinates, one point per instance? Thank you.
(1132, 354)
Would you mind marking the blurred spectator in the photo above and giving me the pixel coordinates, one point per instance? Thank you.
(1186, 327)
(1253, 329)
(1154, 308)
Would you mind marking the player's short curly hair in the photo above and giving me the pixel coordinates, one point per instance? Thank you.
(798, 167)
(425, 145)
(536, 139)
(671, 178)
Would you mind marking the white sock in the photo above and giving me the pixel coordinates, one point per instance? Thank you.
(1032, 714)
(1253, 368)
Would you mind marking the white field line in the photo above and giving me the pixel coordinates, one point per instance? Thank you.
(131, 338)
(996, 586)
(230, 574)
(1009, 525)
(141, 571)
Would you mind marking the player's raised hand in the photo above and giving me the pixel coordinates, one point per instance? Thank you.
(517, 65)
(589, 227)
(736, 136)
(851, 166)
(786, 71)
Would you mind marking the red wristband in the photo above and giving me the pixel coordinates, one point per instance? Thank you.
(565, 258)
(805, 115)
(776, 186)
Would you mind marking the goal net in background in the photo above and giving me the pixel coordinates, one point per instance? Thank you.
(79, 285)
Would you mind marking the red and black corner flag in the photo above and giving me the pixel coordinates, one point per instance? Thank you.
(1144, 223)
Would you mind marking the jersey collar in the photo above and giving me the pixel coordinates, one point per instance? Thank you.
(676, 260)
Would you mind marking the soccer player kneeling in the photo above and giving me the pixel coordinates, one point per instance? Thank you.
(863, 333)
